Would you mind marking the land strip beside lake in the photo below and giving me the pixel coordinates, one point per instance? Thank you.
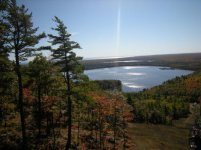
(189, 61)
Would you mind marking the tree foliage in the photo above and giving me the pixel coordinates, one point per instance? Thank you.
(67, 59)
(166, 102)
(19, 38)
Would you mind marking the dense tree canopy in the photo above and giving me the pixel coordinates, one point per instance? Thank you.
(168, 101)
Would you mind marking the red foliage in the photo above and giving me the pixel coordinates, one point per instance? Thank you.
(27, 95)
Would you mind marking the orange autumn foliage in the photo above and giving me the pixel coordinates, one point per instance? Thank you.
(27, 95)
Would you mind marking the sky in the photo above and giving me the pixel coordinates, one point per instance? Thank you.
(119, 28)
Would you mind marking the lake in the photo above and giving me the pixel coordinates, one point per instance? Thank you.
(136, 78)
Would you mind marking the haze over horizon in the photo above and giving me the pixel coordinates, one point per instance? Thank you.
(119, 28)
(111, 57)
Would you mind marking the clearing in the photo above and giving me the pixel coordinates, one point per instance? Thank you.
(163, 137)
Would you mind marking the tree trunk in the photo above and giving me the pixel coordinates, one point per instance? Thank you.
(78, 128)
(68, 144)
(54, 135)
(39, 111)
(20, 101)
(47, 124)
(124, 131)
(115, 126)
(100, 129)
(124, 136)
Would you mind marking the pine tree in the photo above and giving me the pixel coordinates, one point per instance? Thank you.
(64, 56)
(41, 71)
(20, 39)
(3, 28)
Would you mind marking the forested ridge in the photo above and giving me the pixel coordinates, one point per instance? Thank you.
(188, 61)
(52, 104)
(167, 102)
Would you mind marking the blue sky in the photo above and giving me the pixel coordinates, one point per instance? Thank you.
(107, 28)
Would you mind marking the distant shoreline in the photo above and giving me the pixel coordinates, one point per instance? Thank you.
(190, 61)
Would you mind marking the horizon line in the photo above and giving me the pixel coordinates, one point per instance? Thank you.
(113, 57)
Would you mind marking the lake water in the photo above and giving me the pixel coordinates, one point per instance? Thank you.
(136, 78)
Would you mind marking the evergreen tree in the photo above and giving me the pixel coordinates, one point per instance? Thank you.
(20, 39)
(40, 72)
(6, 85)
(3, 27)
(64, 56)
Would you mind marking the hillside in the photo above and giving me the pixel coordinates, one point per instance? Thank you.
(187, 88)
(169, 104)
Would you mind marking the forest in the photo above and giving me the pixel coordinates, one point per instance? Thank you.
(166, 102)
(51, 104)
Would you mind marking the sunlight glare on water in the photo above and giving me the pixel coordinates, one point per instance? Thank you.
(136, 78)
